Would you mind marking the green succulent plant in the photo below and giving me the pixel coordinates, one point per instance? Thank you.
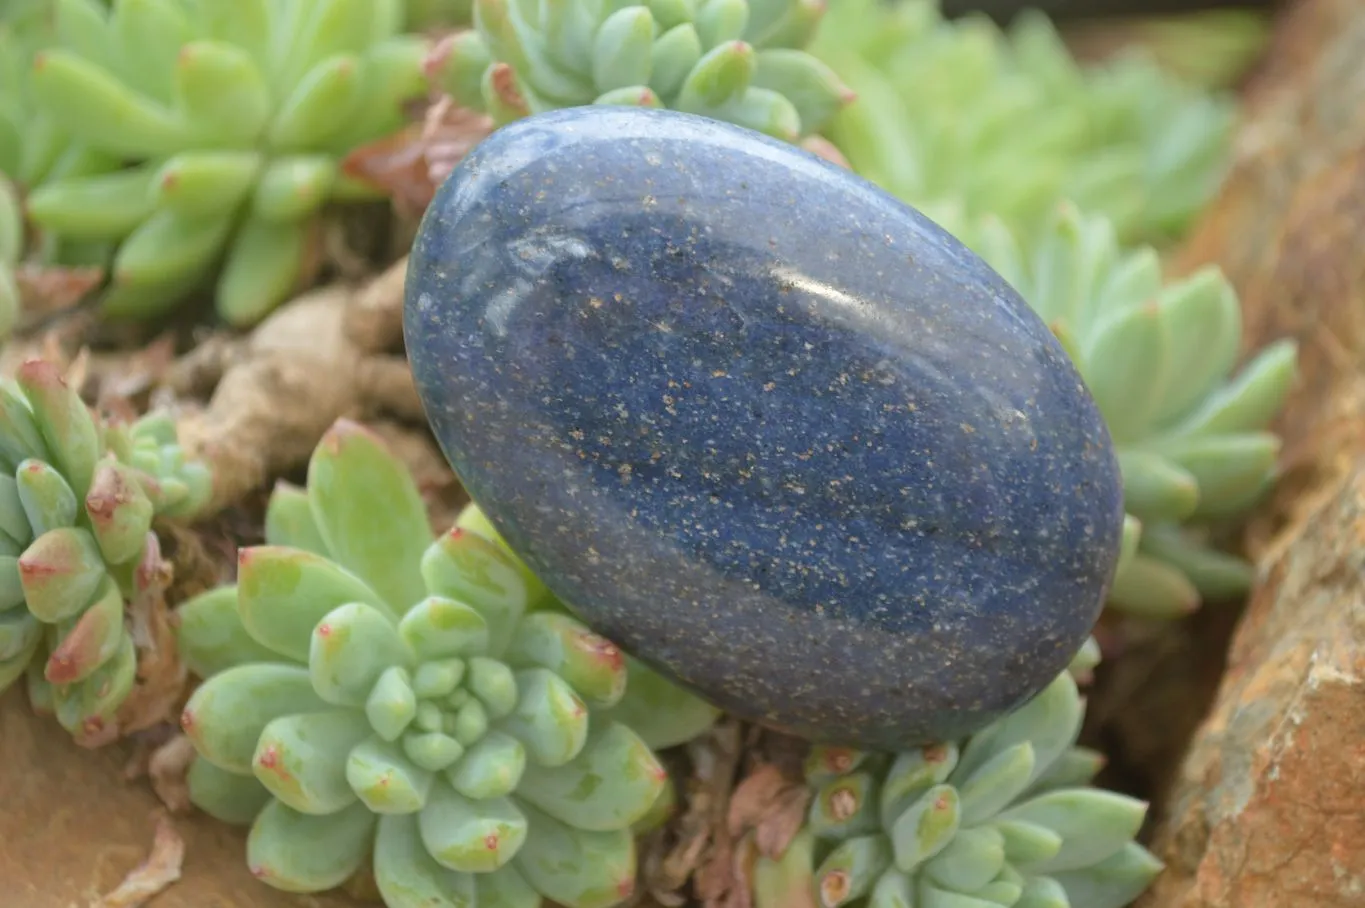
(377, 693)
(227, 121)
(734, 60)
(76, 541)
(959, 113)
(1004, 819)
(1159, 358)
(11, 248)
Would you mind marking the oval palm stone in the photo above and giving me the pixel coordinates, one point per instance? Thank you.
(768, 428)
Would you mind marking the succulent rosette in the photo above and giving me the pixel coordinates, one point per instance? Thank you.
(195, 141)
(1004, 819)
(1006, 122)
(77, 500)
(1160, 357)
(736, 60)
(377, 693)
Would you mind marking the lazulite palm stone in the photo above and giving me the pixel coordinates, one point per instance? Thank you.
(771, 430)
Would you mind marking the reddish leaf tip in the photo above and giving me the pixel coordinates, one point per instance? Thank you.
(491, 841)
(187, 720)
(42, 373)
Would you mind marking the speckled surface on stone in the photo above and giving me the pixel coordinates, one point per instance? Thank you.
(769, 429)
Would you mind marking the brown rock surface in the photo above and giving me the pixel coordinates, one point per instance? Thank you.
(1268, 807)
(71, 828)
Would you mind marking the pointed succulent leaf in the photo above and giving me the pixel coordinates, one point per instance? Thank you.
(1154, 488)
(205, 183)
(1250, 401)
(1145, 587)
(471, 836)
(1027, 843)
(15, 529)
(226, 714)
(583, 869)
(550, 719)
(925, 827)
(1127, 351)
(722, 20)
(1217, 576)
(88, 707)
(263, 267)
(438, 678)
(93, 106)
(210, 636)
(385, 779)
(1206, 328)
(593, 665)
(894, 890)
(19, 634)
(89, 641)
(473, 520)
(672, 57)
(220, 93)
(11, 584)
(61, 572)
(21, 663)
(1044, 892)
(970, 861)
(406, 874)
(611, 783)
(369, 511)
(1094, 824)
(850, 870)
(294, 186)
(845, 807)
(786, 880)
(913, 773)
(1049, 721)
(392, 703)
(47, 501)
(289, 520)
(100, 206)
(621, 49)
(814, 89)
(319, 105)
(168, 250)
(284, 593)
(352, 646)
(1075, 767)
(120, 512)
(1231, 469)
(299, 852)
(662, 713)
(457, 65)
(301, 758)
(826, 762)
(229, 797)
(432, 751)
(495, 686)
(721, 76)
(1113, 882)
(68, 430)
(463, 566)
(440, 628)
(491, 768)
(20, 437)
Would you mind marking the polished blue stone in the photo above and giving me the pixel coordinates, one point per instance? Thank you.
(771, 430)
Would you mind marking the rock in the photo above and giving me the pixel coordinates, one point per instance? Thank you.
(1268, 805)
(772, 431)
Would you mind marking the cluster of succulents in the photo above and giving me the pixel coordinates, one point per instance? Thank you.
(77, 500)
(376, 692)
(736, 60)
(189, 141)
(1006, 818)
(1159, 357)
(960, 115)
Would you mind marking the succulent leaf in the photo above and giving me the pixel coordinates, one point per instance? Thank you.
(300, 852)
